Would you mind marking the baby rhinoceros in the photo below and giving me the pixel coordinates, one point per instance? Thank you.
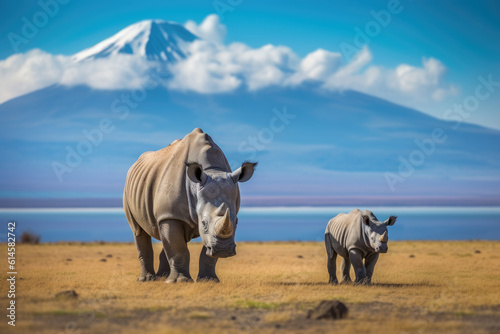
(356, 236)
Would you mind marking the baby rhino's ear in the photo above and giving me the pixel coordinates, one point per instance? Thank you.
(390, 221)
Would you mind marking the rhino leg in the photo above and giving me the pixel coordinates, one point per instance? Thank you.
(164, 268)
(207, 267)
(370, 262)
(332, 260)
(345, 267)
(175, 246)
(359, 268)
(145, 250)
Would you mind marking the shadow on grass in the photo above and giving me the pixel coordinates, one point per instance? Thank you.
(401, 285)
(383, 285)
(297, 283)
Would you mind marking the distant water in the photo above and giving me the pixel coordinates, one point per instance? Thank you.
(265, 224)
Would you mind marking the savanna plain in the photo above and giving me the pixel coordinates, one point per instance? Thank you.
(418, 287)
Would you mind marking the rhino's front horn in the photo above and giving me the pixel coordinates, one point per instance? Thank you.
(224, 228)
(384, 237)
(221, 210)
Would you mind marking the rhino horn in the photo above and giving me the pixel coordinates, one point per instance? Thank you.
(224, 227)
(221, 210)
(384, 237)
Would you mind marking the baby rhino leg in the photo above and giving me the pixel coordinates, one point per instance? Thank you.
(370, 262)
(359, 267)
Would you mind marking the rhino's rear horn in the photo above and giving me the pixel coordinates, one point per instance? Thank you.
(384, 237)
(224, 227)
(221, 210)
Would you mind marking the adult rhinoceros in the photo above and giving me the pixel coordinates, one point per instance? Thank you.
(178, 193)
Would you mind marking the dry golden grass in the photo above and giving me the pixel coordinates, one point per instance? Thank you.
(267, 287)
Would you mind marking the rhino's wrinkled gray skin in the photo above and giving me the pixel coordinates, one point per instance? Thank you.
(356, 236)
(178, 193)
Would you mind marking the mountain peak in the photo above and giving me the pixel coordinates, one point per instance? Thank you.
(153, 39)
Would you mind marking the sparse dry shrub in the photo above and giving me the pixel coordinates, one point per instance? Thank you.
(30, 237)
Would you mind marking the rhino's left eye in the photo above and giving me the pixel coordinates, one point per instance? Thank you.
(204, 226)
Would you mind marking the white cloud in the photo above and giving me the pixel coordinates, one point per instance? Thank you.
(266, 66)
(211, 29)
(350, 75)
(204, 71)
(318, 65)
(26, 72)
(412, 79)
(404, 84)
(213, 67)
(120, 72)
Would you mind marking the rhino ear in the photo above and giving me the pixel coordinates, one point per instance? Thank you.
(195, 172)
(366, 220)
(390, 221)
(244, 173)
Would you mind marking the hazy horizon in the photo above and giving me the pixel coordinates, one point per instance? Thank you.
(280, 223)
(378, 103)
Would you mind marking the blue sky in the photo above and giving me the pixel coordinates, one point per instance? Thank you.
(462, 35)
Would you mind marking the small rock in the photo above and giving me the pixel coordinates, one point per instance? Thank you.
(477, 251)
(300, 256)
(103, 260)
(411, 255)
(109, 255)
(328, 309)
(67, 294)
(69, 260)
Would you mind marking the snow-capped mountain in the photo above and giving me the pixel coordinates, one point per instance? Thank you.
(329, 143)
(153, 39)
